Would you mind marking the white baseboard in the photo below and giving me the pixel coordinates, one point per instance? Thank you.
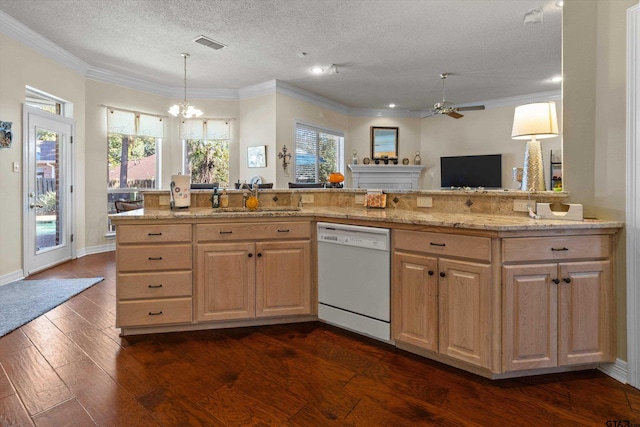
(617, 370)
(11, 277)
(96, 250)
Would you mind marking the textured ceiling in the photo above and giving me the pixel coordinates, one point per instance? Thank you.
(385, 50)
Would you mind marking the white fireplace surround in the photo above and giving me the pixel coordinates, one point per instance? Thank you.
(386, 177)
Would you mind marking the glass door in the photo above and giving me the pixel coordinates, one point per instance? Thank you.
(48, 234)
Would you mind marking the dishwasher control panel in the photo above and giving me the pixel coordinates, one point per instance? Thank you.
(362, 237)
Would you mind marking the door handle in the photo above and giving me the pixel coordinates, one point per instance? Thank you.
(35, 205)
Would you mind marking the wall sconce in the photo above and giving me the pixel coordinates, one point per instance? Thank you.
(531, 121)
(286, 157)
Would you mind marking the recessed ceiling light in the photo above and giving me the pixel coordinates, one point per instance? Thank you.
(555, 79)
(317, 70)
(559, 3)
(392, 105)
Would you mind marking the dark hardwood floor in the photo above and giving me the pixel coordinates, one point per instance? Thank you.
(69, 367)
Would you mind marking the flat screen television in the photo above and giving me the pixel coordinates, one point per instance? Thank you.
(471, 171)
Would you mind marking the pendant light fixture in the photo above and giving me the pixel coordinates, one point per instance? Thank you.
(183, 109)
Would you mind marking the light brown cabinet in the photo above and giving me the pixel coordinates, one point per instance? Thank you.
(154, 282)
(558, 302)
(253, 270)
(439, 303)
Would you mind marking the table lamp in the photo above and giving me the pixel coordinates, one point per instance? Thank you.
(534, 121)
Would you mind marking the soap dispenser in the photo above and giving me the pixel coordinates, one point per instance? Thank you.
(224, 199)
(215, 199)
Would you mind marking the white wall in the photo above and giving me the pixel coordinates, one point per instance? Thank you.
(288, 111)
(360, 136)
(479, 132)
(257, 127)
(594, 90)
(19, 67)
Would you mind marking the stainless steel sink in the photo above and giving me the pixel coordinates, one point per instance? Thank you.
(260, 209)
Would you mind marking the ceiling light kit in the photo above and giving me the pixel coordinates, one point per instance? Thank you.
(183, 109)
(331, 69)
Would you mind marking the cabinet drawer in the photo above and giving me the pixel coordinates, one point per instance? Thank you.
(441, 244)
(153, 257)
(154, 233)
(555, 248)
(253, 231)
(154, 312)
(154, 285)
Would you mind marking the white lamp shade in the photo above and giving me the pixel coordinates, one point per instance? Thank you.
(536, 120)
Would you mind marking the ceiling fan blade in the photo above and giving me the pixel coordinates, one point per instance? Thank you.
(454, 114)
(471, 108)
(429, 114)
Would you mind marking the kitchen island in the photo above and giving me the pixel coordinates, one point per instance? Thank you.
(493, 292)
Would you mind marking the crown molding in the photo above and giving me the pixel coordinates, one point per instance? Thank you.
(260, 89)
(20, 32)
(554, 95)
(25, 35)
(310, 97)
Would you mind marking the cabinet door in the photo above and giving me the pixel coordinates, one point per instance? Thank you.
(585, 313)
(465, 311)
(225, 275)
(415, 300)
(283, 278)
(530, 318)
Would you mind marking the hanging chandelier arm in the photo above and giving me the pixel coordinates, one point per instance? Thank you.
(185, 56)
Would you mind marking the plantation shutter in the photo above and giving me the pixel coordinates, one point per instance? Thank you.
(306, 160)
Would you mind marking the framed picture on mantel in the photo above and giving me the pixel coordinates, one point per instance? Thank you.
(384, 143)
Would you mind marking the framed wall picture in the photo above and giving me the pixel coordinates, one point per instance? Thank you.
(5, 134)
(257, 156)
(384, 143)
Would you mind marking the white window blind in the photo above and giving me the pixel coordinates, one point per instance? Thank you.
(209, 129)
(123, 122)
(318, 153)
(127, 122)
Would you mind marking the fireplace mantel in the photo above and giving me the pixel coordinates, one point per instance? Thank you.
(386, 177)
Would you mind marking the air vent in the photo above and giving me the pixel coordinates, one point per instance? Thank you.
(205, 41)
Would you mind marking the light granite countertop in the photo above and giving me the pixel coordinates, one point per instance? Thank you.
(489, 222)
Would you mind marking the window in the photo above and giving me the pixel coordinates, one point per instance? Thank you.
(206, 150)
(44, 101)
(133, 146)
(318, 153)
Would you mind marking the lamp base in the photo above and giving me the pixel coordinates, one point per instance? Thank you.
(533, 172)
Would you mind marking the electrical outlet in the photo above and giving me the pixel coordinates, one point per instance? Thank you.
(425, 202)
(307, 198)
(359, 199)
(524, 205)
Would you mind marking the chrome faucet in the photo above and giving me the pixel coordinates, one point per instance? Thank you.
(252, 191)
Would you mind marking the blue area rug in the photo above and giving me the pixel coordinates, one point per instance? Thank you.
(24, 300)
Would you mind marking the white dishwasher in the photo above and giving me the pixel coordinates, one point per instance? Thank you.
(354, 276)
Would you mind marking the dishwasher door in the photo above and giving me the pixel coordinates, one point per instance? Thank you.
(354, 278)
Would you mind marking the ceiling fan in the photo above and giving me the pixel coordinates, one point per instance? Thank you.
(445, 107)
